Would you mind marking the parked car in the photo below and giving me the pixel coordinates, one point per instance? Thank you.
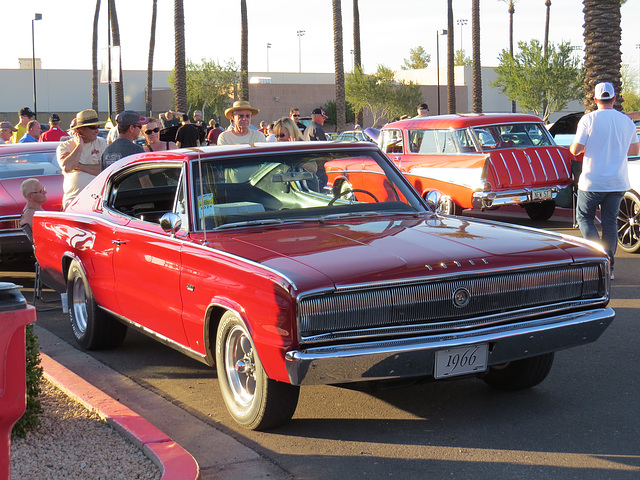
(241, 257)
(353, 136)
(18, 162)
(480, 161)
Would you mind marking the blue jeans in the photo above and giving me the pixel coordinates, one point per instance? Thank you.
(609, 203)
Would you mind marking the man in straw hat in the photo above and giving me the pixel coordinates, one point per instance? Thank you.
(240, 114)
(79, 158)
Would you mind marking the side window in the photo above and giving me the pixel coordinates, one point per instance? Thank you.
(392, 141)
(145, 193)
(32, 164)
(465, 141)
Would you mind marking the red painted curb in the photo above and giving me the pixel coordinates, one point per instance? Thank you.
(174, 461)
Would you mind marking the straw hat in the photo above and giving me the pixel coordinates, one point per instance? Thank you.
(86, 118)
(240, 105)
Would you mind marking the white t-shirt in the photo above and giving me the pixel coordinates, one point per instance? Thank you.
(230, 138)
(75, 181)
(606, 135)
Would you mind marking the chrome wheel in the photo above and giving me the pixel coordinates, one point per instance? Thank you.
(240, 366)
(79, 305)
(629, 223)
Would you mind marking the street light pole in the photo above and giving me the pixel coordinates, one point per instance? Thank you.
(438, 33)
(38, 16)
(268, 47)
(300, 35)
(462, 22)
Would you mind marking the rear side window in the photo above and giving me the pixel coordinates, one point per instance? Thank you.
(392, 141)
(29, 164)
(440, 141)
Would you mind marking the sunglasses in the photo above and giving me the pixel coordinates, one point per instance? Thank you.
(295, 115)
(149, 132)
(281, 135)
(93, 127)
(43, 191)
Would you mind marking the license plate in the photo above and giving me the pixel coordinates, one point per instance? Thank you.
(461, 360)
(541, 194)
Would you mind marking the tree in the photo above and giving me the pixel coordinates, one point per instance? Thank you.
(461, 60)
(115, 35)
(476, 82)
(381, 94)
(152, 46)
(179, 71)
(95, 80)
(330, 109)
(357, 53)
(532, 78)
(451, 86)
(511, 10)
(210, 83)
(339, 66)
(629, 89)
(418, 59)
(244, 52)
(602, 55)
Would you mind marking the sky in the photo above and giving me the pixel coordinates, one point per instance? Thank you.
(389, 30)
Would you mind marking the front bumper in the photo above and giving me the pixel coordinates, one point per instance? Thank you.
(414, 357)
(482, 200)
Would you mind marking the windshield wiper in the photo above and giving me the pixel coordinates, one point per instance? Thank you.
(250, 223)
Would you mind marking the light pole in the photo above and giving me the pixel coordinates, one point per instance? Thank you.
(268, 47)
(438, 33)
(300, 35)
(353, 61)
(462, 22)
(38, 16)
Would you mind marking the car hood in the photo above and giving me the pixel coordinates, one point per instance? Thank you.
(349, 253)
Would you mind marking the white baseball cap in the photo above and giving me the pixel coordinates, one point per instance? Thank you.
(604, 91)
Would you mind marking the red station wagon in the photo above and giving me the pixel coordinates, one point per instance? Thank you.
(480, 161)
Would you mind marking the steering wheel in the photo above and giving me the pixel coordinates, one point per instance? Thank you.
(352, 190)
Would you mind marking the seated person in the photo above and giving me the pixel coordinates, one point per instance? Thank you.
(35, 194)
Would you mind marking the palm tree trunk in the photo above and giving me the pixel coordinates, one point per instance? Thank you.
(341, 118)
(357, 54)
(152, 46)
(95, 80)
(451, 88)
(547, 3)
(602, 55)
(115, 34)
(180, 84)
(476, 85)
(244, 52)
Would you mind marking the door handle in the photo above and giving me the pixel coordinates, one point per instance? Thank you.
(119, 242)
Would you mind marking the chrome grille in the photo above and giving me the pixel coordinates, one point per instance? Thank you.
(430, 303)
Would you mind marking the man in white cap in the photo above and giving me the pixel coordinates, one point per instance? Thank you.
(606, 137)
(240, 114)
(79, 157)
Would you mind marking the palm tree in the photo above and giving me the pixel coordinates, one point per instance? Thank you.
(511, 9)
(451, 88)
(341, 115)
(94, 59)
(476, 82)
(152, 46)
(602, 55)
(546, 26)
(357, 56)
(244, 52)
(180, 84)
(115, 35)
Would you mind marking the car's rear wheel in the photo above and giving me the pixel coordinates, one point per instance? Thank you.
(254, 400)
(93, 328)
(520, 374)
(629, 223)
(540, 210)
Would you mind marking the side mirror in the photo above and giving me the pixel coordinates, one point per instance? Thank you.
(171, 223)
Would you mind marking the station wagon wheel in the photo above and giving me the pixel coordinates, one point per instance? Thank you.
(92, 327)
(629, 223)
(520, 374)
(253, 399)
(350, 191)
(540, 210)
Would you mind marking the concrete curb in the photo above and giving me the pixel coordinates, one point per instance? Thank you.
(174, 461)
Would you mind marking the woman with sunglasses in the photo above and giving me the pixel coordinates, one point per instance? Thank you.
(286, 131)
(151, 133)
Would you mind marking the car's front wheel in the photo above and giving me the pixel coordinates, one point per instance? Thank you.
(254, 400)
(93, 328)
(629, 223)
(540, 210)
(520, 374)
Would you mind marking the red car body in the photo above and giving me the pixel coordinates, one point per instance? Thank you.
(281, 285)
(17, 163)
(480, 161)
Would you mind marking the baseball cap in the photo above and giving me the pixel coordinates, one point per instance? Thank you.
(129, 117)
(604, 91)
(319, 111)
(7, 125)
(54, 117)
(26, 112)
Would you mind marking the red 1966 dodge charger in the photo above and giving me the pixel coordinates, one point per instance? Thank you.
(480, 161)
(313, 263)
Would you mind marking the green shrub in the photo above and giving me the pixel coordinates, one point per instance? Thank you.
(30, 419)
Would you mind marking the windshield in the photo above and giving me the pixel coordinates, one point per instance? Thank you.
(296, 186)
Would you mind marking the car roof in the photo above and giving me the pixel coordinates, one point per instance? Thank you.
(11, 148)
(462, 120)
